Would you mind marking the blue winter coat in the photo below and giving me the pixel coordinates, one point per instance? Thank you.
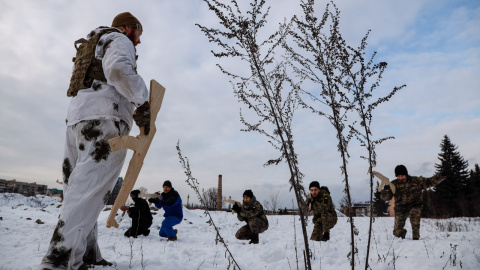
(171, 203)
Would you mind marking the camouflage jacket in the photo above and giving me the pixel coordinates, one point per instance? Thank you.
(252, 209)
(409, 192)
(322, 207)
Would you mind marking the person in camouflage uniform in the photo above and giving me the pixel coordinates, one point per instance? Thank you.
(252, 213)
(408, 199)
(324, 214)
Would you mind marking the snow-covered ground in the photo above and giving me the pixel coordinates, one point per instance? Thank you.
(444, 244)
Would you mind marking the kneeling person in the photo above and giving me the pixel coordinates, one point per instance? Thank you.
(172, 204)
(324, 215)
(253, 214)
(140, 215)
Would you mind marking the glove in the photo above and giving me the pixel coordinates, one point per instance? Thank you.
(236, 208)
(326, 235)
(386, 187)
(142, 117)
(124, 208)
(154, 200)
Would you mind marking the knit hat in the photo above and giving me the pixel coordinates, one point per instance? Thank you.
(126, 18)
(167, 183)
(314, 184)
(135, 192)
(401, 170)
(248, 193)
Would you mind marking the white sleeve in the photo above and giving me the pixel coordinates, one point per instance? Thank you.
(119, 69)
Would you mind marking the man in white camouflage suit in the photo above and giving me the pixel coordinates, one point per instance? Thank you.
(90, 169)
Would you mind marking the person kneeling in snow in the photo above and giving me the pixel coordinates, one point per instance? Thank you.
(172, 204)
(324, 215)
(140, 215)
(253, 214)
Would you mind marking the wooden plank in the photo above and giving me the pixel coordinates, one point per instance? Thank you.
(140, 145)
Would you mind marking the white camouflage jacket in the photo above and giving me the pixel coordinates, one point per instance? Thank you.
(124, 90)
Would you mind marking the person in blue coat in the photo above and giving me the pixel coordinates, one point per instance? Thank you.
(172, 204)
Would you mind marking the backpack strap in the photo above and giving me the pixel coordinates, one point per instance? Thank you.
(80, 41)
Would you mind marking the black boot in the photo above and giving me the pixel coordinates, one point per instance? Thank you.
(254, 239)
(326, 236)
(103, 263)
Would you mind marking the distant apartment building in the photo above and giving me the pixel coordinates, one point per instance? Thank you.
(24, 188)
(359, 210)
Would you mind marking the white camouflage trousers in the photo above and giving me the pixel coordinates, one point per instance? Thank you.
(90, 171)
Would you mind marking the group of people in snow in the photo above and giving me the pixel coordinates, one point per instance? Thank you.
(107, 97)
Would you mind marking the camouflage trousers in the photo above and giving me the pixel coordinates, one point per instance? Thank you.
(322, 224)
(254, 226)
(401, 215)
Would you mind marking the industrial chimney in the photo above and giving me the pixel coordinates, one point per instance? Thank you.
(219, 193)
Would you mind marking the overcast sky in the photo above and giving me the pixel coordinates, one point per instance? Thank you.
(432, 46)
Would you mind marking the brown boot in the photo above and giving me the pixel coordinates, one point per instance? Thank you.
(173, 238)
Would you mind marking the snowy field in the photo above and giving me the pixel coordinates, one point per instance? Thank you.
(443, 244)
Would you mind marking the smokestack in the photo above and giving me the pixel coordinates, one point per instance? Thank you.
(219, 193)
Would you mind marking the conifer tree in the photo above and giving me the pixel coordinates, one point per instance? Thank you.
(380, 207)
(473, 192)
(452, 190)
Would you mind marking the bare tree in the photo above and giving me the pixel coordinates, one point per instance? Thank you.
(266, 89)
(362, 79)
(346, 83)
(343, 202)
(317, 57)
(266, 205)
(210, 198)
(273, 199)
(143, 190)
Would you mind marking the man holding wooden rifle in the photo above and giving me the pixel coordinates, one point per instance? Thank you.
(100, 109)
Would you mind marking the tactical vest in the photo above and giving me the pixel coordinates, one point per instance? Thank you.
(86, 68)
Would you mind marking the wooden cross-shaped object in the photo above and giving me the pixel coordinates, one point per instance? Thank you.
(139, 145)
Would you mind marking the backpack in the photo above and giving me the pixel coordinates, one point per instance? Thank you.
(324, 188)
(86, 68)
